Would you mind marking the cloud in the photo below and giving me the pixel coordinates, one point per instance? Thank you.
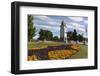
(55, 30)
(70, 26)
(85, 21)
(78, 19)
(42, 17)
(45, 27)
(77, 26)
(47, 20)
(53, 23)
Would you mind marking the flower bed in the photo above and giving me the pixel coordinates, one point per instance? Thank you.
(33, 57)
(53, 52)
(60, 54)
(75, 47)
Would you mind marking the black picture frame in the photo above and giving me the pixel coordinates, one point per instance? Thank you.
(15, 34)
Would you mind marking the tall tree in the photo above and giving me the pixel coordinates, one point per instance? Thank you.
(75, 35)
(31, 28)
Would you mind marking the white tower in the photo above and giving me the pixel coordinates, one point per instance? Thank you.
(63, 34)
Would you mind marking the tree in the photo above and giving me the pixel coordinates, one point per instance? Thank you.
(80, 38)
(74, 35)
(41, 35)
(69, 35)
(45, 35)
(31, 28)
(55, 38)
(49, 35)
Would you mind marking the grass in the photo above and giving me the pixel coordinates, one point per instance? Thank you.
(39, 45)
(83, 53)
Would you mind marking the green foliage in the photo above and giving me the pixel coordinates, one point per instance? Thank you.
(80, 38)
(31, 28)
(69, 35)
(55, 38)
(75, 35)
(45, 35)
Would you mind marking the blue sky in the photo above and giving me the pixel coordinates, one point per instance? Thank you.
(53, 23)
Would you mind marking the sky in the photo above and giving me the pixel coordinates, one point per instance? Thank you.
(52, 23)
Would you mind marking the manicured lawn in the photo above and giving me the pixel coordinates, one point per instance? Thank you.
(42, 44)
(83, 53)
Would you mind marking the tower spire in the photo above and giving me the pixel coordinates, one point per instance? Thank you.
(63, 31)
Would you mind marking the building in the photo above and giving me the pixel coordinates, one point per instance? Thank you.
(63, 33)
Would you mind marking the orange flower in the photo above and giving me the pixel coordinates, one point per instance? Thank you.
(33, 57)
